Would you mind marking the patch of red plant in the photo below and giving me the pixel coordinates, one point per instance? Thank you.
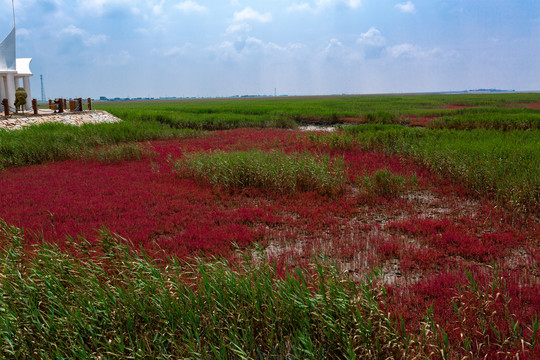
(352, 120)
(143, 202)
(420, 121)
(530, 105)
(461, 237)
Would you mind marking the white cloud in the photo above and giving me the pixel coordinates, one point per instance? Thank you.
(328, 3)
(351, 3)
(23, 32)
(143, 31)
(241, 27)
(86, 38)
(407, 7)
(337, 52)
(318, 5)
(95, 5)
(242, 18)
(334, 43)
(251, 47)
(412, 51)
(98, 7)
(248, 14)
(157, 9)
(119, 59)
(92, 40)
(372, 37)
(299, 7)
(175, 50)
(73, 30)
(190, 6)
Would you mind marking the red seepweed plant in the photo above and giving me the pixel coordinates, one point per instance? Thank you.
(457, 270)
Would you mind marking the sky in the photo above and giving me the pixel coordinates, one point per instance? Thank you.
(210, 48)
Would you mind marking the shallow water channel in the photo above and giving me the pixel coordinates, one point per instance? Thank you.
(325, 128)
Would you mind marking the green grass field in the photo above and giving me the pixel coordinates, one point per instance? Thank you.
(286, 112)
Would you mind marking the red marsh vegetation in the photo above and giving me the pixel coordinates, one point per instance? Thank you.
(462, 265)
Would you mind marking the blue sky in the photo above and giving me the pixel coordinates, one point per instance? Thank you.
(204, 48)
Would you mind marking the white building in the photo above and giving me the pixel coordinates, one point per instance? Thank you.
(13, 71)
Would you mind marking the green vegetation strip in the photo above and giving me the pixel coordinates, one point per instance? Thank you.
(489, 118)
(273, 171)
(54, 142)
(503, 164)
(119, 153)
(119, 305)
(200, 118)
(284, 112)
(144, 121)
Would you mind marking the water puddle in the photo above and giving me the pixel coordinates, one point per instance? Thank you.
(324, 128)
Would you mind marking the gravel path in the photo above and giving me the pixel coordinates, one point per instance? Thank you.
(15, 122)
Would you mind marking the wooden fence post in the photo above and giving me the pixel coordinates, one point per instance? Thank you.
(89, 104)
(60, 105)
(5, 102)
(34, 106)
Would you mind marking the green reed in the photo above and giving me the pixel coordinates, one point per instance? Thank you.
(273, 171)
(106, 301)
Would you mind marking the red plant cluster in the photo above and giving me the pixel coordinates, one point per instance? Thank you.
(420, 121)
(460, 237)
(142, 201)
(454, 107)
(424, 242)
(530, 105)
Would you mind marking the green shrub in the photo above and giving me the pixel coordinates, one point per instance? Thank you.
(273, 171)
(381, 117)
(335, 141)
(118, 153)
(387, 184)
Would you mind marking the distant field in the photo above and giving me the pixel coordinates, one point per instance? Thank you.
(222, 114)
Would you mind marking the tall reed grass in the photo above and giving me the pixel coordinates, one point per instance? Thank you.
(489, 118)
(201, 119)
(334, 141)
(273, 171)
(112, 303)
(384, 183)
(118, 153)
(505, 165)
(54, 142)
